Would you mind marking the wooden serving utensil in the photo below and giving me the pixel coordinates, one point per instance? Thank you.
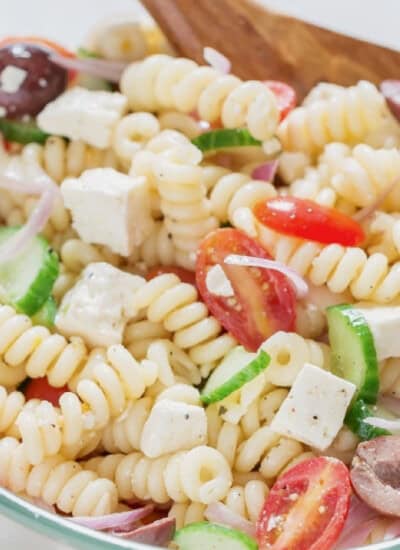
(263, 44)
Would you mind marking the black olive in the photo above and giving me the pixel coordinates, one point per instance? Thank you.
(43, 82)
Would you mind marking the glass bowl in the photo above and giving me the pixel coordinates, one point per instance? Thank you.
(25, 525)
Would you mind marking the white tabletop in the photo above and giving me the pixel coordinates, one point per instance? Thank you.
(68, 20)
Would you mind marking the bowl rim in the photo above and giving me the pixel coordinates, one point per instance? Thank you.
(32, 516)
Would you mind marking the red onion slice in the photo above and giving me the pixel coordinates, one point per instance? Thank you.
(158, 533)
(119, 522)
(37, 220)
(360, 522)
(367, 211)
(391, 92)
(358, 536)
(217, 60)
(109, 70)
(220, 513)
(392, 426)
(266, 171)
(392, 404)
(299, 284)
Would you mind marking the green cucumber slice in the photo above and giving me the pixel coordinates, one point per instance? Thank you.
(88, 81)
(211, 536)
(225, 138)
(355, 416)
(237, 368)
(46, 314)
(22, 132)
(353, 351)
(27, 280)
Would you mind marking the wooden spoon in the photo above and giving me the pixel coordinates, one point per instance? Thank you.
(263, 44)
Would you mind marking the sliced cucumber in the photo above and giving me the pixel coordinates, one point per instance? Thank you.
(88, 81)
(353, 351)
(22, 132)
(211, 536)
(27, 280)
(237, 368)
(46, 314)
(225, 138)
(356, 415)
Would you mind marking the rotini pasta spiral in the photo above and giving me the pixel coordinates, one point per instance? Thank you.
(223, 436)
(247, 500)
(11, 404)
(56, 481)
(347, 116)
(389, 377)
(140, 333)
(383, 235)
(199, 475)
(175, 304)
(169, 83)
(185, 513)
(178, 178)
(344, 445)
(132, 133)
(158, 248)
(77, 254)
(288, 352)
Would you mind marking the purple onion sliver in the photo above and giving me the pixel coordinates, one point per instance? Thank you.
(299, 284)
(109, 70)
(119, 522)
(266, 171)
(217, 60)
(159, 533)
(220, 513)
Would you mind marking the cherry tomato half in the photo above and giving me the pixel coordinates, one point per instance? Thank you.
(39, 41)
(306, 219)
(39, 388)
(285, 95)
(185, 275)
(264, 300)
(307, 507)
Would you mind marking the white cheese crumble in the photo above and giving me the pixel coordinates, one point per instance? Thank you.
(3, 111)
(11, 79)
(218, 283)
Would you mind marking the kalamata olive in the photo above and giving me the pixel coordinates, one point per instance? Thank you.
(28, 80)
(375, 474)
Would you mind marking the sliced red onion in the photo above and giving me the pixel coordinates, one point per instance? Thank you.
(217, 60)
(392, 404)
(391, 91)
(220, 513)
(392, 426)
(367, 211)
(109, 70)
(119, 522)
(360, 522)
(37, 220)
(158, 532)
(299, 284)
(266, 171)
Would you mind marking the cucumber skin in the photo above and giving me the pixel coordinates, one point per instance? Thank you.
(217, 139)
(47, 314)
(213, 528)
(35, 299)
(248, 373)
(354, 419)
(23, 133)
(370, 386)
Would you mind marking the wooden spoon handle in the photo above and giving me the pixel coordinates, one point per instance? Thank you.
(264, 44)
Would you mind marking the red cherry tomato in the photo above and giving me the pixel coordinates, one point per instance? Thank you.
(39, 388)
(39, 41)
(264, 300)
(306, 219)
(185, 275)
(285, 95)
(307, 507)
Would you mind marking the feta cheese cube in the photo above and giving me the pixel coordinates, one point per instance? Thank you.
(173, 426)
(84, 114)
(109, 208)
(218, 283)
(315, 408)
(384, 323)
(99, 305)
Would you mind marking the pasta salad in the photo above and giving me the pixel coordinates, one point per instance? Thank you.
(199, 297)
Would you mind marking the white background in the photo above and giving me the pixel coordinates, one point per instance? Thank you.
(67, 22)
